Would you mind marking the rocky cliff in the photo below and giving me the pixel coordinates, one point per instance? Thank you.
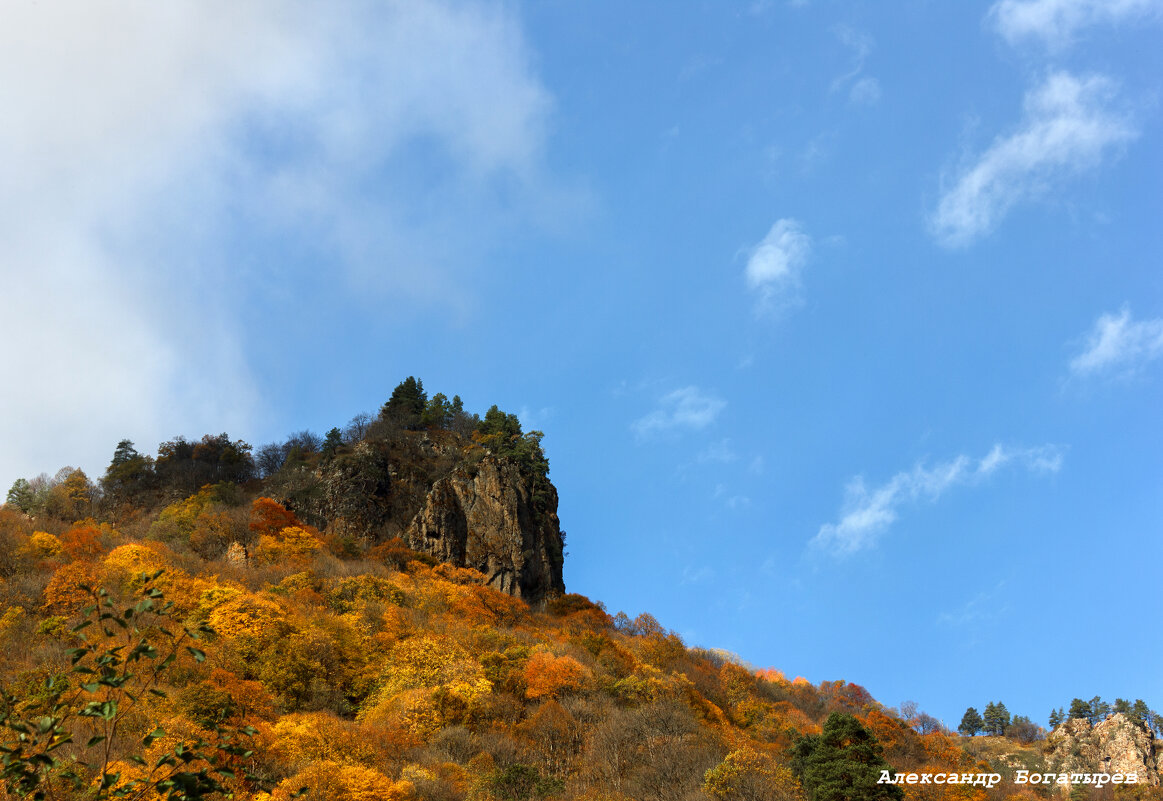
(1115, 745)
(445, 496)
(492, 518)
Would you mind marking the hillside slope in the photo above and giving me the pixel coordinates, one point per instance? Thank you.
(380, 615)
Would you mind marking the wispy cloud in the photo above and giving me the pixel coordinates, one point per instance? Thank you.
(1069, 127)
(774, 266)
(1117, 345)
(1055, 23)
(862, 89)
(697, 574)
(720, 452)
(141, 140)
(984, 607)
(865, 92)
(868, 512)
(688, 408)
(732, 500)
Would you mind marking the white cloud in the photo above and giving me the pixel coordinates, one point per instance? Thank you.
(138, 138)
(1069, 127)
(720, 451)
(774, 266)
(687, 408)
(865, 92)
(731, 500)
(981, 608)
(1055, 22)
(867, 513)
(1119, 345)
(697, 575)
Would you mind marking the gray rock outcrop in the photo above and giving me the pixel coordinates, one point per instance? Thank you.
(495, 519)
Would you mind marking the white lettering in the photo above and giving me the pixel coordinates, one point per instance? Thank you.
(1022, 777)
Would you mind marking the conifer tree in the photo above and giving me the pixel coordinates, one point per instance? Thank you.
(996, 718)
(971, 722)
(1139, 711)
(1079, 709)
(21, 495)
(405, 408)
(331, 443)
(1099, 709)
(842, 763)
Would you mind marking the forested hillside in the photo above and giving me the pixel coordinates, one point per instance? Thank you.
(216, 621)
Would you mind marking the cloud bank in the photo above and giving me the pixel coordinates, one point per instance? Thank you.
(867, 513)
(142, 142)
(1069, 127)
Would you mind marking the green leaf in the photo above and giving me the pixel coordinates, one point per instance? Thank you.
(153, 736)
(198, 655)
(94, 740)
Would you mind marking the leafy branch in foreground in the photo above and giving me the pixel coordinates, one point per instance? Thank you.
(120, 661)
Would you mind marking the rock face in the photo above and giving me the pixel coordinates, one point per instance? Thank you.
(495, 519)
(445, 496)
(1116, 745)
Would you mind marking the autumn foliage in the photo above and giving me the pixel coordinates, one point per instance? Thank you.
(379, 674)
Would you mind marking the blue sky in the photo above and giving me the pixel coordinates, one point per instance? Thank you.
(844, 322)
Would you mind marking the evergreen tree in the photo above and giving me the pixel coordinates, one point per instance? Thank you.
(1099, 709)
(1055, 718)
(331, 443)
(996, 719)
(1079, 709)
(405, 408)
(971, 722)
(438, 412)
(129, 475)
(842, 763)
(1139, 711)
(21, 495)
